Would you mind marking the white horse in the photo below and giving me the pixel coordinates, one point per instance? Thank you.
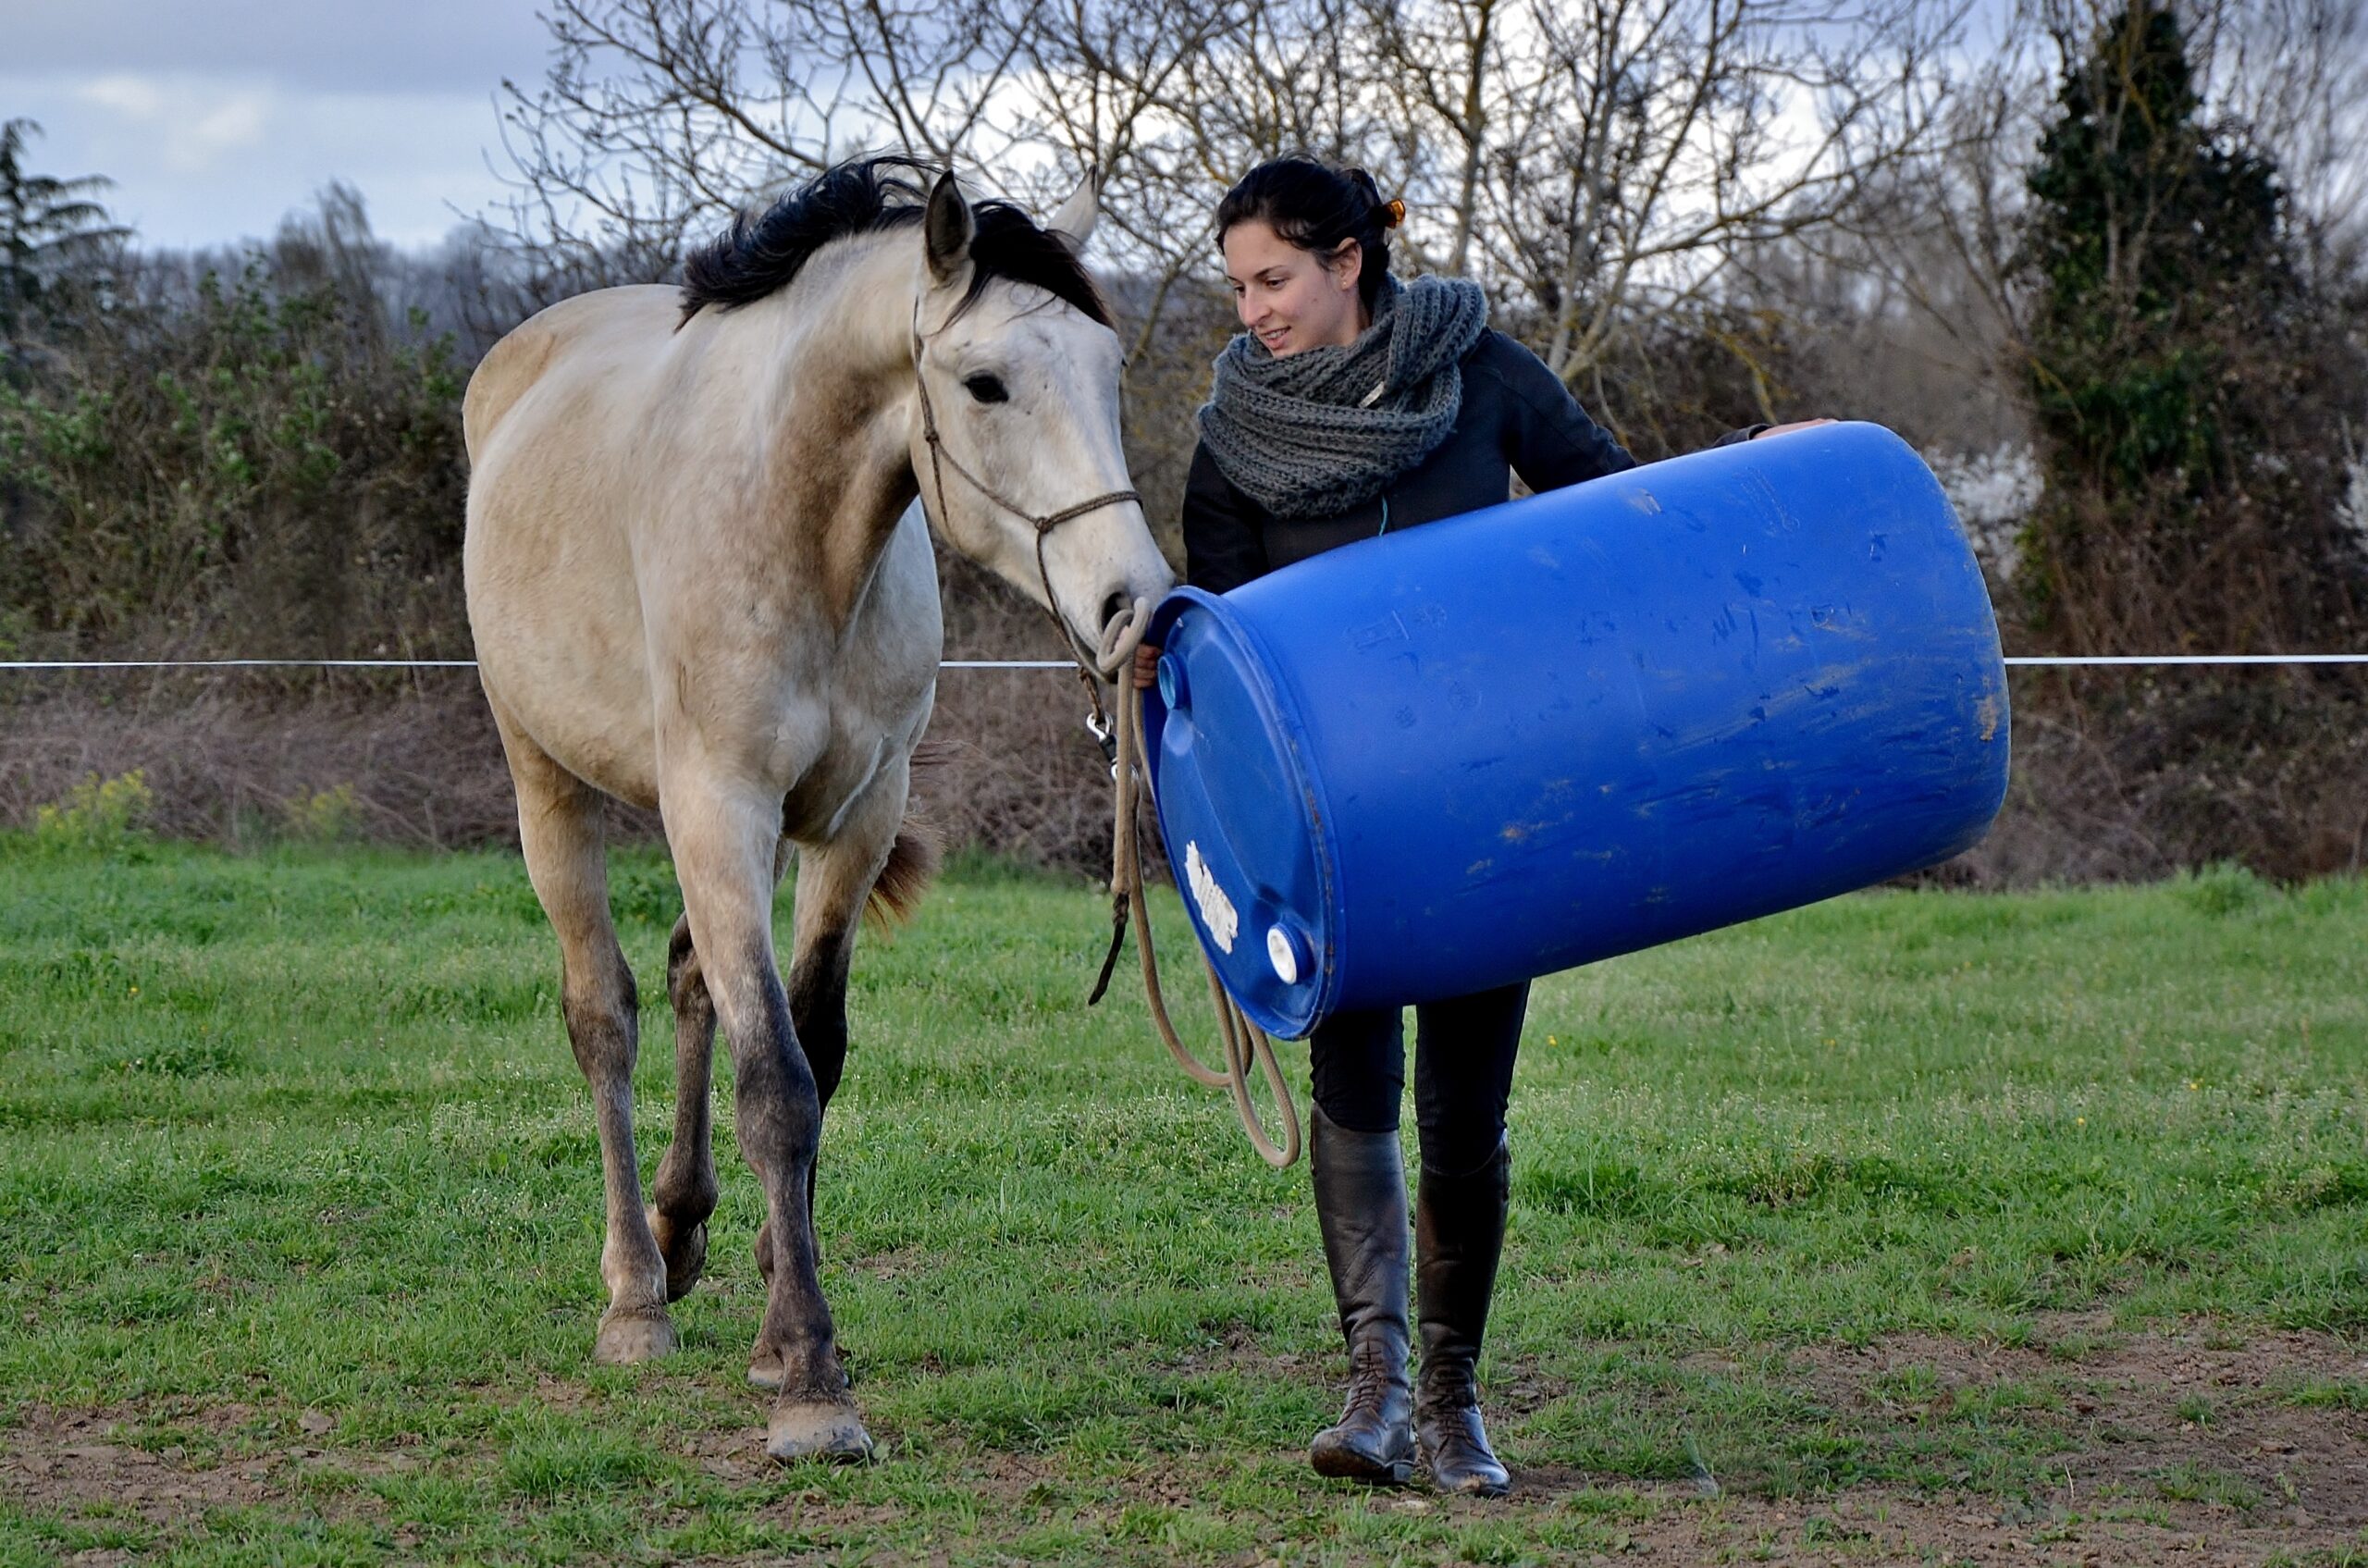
(694, 584)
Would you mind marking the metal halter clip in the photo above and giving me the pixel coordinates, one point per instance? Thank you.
(1106, 737)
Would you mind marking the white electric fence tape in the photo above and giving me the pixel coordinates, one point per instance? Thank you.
(2026, 661)
(403, 664)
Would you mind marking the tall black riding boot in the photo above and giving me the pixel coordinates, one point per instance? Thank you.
(1459, 1232)
(1361, 1203)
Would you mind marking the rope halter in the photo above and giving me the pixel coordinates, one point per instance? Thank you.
(1042, 523)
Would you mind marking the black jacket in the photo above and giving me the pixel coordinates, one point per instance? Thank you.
(1517, 418)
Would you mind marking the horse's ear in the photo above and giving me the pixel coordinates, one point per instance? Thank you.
(948, 228)
(1074, 222)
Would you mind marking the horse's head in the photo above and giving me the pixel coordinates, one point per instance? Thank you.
(1016, 443)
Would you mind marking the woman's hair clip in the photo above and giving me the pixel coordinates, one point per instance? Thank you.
(1393, 213)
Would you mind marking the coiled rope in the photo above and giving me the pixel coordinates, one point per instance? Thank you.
(1245, 1044)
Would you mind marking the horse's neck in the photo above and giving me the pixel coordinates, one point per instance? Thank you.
(851, 309)
(841, 399)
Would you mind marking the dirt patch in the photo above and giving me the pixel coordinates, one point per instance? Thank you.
(2194, 1446)
(169, 1463)
(1877, 1525)
(2155, 1412)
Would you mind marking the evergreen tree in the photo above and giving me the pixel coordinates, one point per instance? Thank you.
(2165, 297)
(48, 226)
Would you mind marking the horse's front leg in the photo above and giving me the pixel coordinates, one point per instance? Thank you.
(686, 1189)
(724, 839)
(559, 825)
(834, 879)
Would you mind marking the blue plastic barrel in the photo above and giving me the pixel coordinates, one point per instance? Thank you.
(1577, 724)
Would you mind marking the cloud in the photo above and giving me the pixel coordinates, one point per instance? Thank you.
(199, 125)
(136, 97)
(216, 120)
(207, 160)
(230, 125)
(421, 46)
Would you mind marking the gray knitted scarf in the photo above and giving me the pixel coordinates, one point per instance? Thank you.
(1315, 433)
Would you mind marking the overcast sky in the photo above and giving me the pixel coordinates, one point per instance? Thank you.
(215, 118)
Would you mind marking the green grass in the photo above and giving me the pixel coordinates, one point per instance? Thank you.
(294, 1161)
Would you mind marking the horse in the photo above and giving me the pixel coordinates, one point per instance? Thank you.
(697, 582)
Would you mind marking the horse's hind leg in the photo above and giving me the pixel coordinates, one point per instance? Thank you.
(559, 828)
(685, 1189)
(833, 880)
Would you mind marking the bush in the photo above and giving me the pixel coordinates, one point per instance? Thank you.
(107, 816)
(328, 816)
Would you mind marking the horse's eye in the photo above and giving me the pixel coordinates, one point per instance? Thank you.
(987, 389)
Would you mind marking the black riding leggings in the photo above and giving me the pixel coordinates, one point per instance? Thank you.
(1464, 1072)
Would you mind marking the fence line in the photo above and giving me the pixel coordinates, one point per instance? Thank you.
(2031, 660)
(405, 664)
(2019, 662)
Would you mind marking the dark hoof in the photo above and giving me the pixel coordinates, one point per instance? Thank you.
(686, 1254)
(630, 1337)
(830, 1432)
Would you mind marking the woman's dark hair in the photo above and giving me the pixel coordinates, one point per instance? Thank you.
(1318, 208)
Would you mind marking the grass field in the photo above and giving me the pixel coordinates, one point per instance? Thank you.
(1911, 1228)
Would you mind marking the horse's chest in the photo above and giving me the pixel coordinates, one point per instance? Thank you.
(850, 764)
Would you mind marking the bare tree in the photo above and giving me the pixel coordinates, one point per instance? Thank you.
(1655, 140)
(658, 116)
(1596, 162)
(2294, 73)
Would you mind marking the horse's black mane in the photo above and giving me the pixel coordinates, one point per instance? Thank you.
(758, 256)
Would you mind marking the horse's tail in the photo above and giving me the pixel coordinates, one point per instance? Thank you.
(913, 862)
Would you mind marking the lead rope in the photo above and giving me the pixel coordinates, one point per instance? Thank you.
(1122, 743)
(1244, 1042)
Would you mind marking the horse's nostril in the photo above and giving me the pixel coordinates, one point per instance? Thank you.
(1115, 607)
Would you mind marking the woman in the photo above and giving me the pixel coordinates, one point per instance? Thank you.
(1354, 405)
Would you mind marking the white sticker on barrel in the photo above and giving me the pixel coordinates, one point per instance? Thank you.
(1217, 909)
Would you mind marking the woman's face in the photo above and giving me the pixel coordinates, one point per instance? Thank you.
(1292, 299)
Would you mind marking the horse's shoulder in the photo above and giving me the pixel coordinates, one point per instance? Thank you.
(527, 353)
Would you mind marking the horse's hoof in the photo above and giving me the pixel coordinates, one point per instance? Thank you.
(685, 1252)
(832, 1432)
(630, 1337)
